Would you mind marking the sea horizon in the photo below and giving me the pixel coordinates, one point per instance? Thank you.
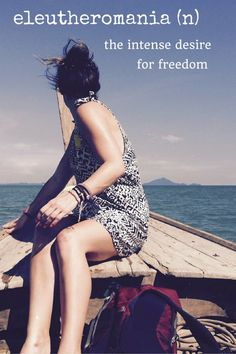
(211, 208)
(179, 184)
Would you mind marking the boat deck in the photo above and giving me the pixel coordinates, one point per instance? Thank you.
(196, 263)
(176, 249)
(172, 248)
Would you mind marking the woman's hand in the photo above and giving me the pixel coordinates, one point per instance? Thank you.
(56, 209)
(16, 224)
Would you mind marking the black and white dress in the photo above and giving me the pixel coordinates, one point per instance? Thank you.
(122, 208)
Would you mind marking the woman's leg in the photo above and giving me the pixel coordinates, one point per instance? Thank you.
(42, 280)
(72, 246)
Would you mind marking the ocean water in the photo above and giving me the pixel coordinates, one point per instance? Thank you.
(14, 198)
(210, 208)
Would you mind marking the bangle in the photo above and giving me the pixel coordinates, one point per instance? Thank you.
(78, 193)
(77, 198)
(85, 190)
(82, 192)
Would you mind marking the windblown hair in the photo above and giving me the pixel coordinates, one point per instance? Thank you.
(76, 72)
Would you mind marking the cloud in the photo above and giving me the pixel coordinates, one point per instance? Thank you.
(178, 165)
(153, 162)
(21, 147)
(7, 125)
(172, 138)
(27, 162)
(199, 168)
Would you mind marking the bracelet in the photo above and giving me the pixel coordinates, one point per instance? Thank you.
(82, 192)
(78, 193)
(85, 190)
(77, 199)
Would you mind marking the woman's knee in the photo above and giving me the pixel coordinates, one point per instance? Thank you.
(68, 243)
(45, 235)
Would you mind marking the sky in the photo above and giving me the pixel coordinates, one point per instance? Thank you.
(181, 122)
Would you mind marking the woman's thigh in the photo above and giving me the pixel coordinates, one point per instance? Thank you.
(90, 237)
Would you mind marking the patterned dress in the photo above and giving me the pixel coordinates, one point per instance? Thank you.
(122, 208)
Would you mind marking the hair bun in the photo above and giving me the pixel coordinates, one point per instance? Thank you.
(76, 72)
(77, 56)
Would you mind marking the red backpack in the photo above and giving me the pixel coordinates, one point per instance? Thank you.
(142, 320)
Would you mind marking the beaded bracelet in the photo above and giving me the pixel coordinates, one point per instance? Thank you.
(84, 196)
(82, 192)
(85, 191)
(78, 193)
(75, 196)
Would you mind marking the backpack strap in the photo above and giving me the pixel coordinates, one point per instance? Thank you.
(110, 295)
(205, 339)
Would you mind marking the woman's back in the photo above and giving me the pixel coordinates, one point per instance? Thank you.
(122, 207)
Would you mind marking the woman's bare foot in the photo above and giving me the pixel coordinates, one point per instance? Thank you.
(32, 346)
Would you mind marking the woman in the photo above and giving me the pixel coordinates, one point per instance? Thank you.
(105, 215)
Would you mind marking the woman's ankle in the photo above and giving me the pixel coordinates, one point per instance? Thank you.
(36, 344)
(69, 348)
(39, 338)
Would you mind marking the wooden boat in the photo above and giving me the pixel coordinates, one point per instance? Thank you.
(198, 264)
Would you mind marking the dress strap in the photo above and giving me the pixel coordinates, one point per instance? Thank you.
(79, 101)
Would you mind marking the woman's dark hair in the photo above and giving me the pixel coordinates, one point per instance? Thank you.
(76, 72)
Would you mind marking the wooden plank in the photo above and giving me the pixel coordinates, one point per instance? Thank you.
(67, 125)
(194, 231)
(219, 252)
(200, 308)
(12, 251)
(166, 259)
(12, 282)
(113, 269)
(180, 259)
(210, 266)
(132, 266)
(93, 308)
(3, 235)
(66, 119)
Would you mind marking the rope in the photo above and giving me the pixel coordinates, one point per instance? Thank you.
(223, 332)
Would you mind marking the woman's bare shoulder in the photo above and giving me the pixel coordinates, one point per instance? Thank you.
(93, 108)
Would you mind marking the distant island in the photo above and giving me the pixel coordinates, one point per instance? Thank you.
(167, 182)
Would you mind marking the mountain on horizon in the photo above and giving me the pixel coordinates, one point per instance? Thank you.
(167, 182)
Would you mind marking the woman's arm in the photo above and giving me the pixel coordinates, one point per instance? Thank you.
(101, 137)
(50, 189)
(102, 140)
